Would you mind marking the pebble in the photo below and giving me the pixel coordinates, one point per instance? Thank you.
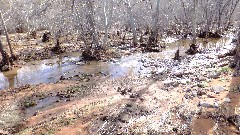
(226, 100)
(202, 79)
(218, 89)
(194, 93)
(168, 82)
(214, 75)
(80, 63)
(206, 104)
(215, 104)
(186, 96)
(184, 81)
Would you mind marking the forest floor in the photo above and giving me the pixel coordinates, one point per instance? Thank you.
(197, 95)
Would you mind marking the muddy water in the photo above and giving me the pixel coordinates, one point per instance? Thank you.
(51, 70)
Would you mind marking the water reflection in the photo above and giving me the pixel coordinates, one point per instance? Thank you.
(51, 70)
(37, 72)
(3, 81)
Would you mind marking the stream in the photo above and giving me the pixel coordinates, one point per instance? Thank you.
(51, 70)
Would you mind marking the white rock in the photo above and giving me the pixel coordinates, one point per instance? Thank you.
(206, 104)
(226, 100)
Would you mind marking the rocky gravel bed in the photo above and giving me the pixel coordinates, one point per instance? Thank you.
(190, 76)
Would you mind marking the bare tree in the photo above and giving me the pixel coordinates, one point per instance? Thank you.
(194, 24)
(185, 18)
(80, 28)
(232, 9)
(154, 34)
(108, 13)
(221, 7)
(7, 36)
(132, 20)
(91, 21)
(193, 46)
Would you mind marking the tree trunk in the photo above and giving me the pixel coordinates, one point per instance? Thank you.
(4, 64)
(207, 27)
(185, 21)
(57, 48)
(238, 50)
(153, 38)
(229, 17)
(194, 26)
(194, 47)
(133, 27)
(237, 57)
(79, 25)
(107, 21)
(92, 24)
(219, 15)
(177, 55)
(7, 36)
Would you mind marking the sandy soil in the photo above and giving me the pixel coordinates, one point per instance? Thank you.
(124, 105)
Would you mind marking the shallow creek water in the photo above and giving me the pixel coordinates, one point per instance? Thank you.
(50, 70)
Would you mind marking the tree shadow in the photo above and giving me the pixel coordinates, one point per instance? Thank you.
(122, 115)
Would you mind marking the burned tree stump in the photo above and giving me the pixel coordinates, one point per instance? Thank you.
(94, 54)
(57, 48)
(87, 54)
(193, 49)
(46, 37)
(20, 29)
(33, 34)
(4, 64)
(141, 39)
(177, 55)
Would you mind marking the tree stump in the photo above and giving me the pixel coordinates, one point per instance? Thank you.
(94, 54)
(33, 34)
(46, 37)
(87, 54)
(4, 64)
(177, 55)
(193, 49)
(57, 48)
